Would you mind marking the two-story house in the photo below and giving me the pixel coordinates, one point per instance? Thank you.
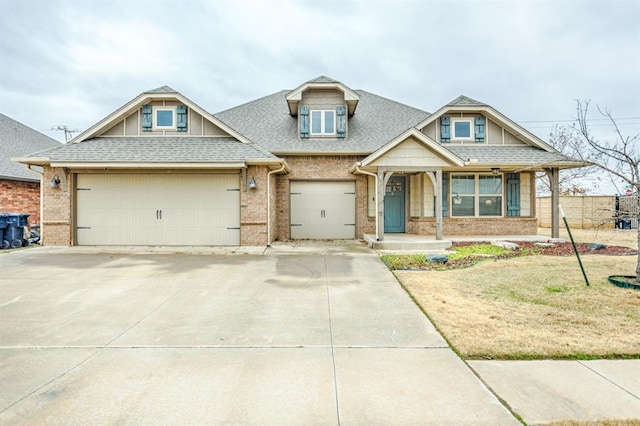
(322, 161)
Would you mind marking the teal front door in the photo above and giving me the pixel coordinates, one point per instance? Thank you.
(394, 205)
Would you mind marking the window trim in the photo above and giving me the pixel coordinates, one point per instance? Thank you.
(173, 120)
(452, 129)
(322, 122)
(476, 195)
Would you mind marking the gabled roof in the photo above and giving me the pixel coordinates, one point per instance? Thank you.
(465, 100)
(129, 151)
(267, 122)
(466, 104)
(295, 96)
(428, 143)
(17, 140)
(163, 92)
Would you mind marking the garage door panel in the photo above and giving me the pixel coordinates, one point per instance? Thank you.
(137, 209)
(323, 210)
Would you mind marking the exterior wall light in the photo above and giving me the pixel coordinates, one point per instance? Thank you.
(55, 182)
(495, 170)
(252, 183)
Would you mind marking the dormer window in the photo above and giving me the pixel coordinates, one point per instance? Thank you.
(323, 122)
(462, 129)
(164, 119)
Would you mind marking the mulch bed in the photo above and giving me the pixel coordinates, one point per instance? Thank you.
(559, 249)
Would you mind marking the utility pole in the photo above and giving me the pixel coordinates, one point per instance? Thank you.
(68, 133)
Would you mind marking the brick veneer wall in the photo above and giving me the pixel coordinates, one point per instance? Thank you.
(21, 197)
(475, 226)
(56, 214)
(324, 168)
(253, 208)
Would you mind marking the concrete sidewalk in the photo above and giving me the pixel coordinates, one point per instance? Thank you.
(313, 334)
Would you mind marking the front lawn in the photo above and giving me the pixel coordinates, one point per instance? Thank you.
(532, 307)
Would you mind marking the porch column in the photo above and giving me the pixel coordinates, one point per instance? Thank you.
(436, 180)
(554, 182)
(383, 178)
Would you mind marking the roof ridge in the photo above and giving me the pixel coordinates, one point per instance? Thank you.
(394, 101)
(465, 100)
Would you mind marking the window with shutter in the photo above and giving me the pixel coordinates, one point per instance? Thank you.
(479, 129)
(445, 129)
(341, 124)
(181, 119)
(445, 194)
(304, 122)
(147, 118)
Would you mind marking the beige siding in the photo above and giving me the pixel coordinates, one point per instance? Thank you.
(211, 129)
(494, 133)
(132, 127)
(429, 202)
(510, 139)
(415, 195)
(525, 194)
(371, 196)
(410, 153)
(430, 130)
(116, 130)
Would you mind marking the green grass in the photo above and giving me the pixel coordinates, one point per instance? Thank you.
(459, 257)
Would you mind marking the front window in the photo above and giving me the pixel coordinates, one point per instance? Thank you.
(476, 195)
(323, 122)
(462, 128)
(164, 118)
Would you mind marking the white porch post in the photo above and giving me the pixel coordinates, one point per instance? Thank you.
(436, 180)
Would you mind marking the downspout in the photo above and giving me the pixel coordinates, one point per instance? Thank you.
(364, 172)
(281, 169)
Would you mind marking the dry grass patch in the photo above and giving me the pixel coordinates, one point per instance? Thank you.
(532, 307)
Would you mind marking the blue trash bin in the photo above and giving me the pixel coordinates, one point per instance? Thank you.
(4, 243)
(14, 232)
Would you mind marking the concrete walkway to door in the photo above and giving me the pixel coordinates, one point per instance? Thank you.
(293, 334)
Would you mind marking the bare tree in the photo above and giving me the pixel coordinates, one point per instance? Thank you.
(620, 157)
(566, 139)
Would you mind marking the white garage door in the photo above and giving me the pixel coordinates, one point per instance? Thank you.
(323, 210)
(153, 209)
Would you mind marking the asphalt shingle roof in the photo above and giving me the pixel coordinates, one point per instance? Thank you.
(465, 100)
(500, 154)
(158, 150)
(267, 122)
(18, 140)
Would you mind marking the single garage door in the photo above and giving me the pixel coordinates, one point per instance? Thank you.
(323, 210)
(154, 209)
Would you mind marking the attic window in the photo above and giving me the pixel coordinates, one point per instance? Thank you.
(164, 119)
(323, 122)
(462, 129)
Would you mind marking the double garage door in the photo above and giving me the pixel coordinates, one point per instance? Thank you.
(323, 210)
(155, 209)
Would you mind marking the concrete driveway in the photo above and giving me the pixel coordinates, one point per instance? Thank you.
(309, 334)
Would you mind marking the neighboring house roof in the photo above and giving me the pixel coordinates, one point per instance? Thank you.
(160, 149)
(16, 140)
(267, 122)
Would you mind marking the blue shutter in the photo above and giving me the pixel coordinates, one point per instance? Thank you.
(479, 129)
(304, 122)
(181, 120)
(147, 118)
(513, 194)
(445, 129)
(341, 128)
(445, 194)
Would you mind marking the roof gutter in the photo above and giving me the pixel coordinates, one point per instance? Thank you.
(364, 172)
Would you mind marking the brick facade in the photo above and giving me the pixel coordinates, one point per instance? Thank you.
(56, 214)
(474, 226)
(325, 168)
(21, 197)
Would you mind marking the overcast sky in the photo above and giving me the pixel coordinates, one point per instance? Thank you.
(74, 62)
